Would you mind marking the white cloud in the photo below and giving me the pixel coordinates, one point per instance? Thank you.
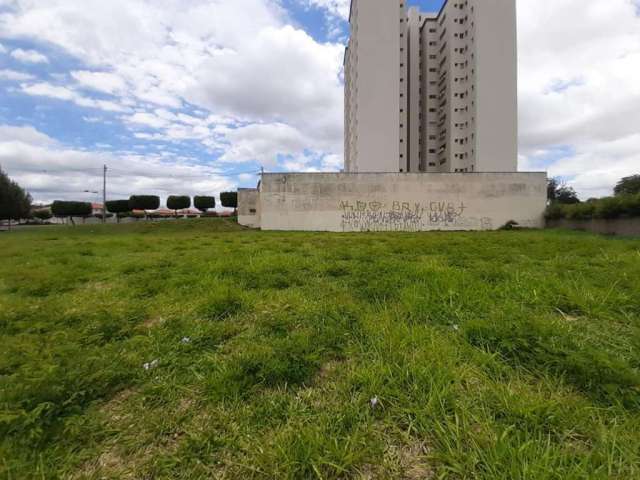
(90, 119)
(338, 8)
(2, 49)
(579, 90)
(263, 144)
(333, 163)
(236, 66)
(100, 81)
(24, 134)
(64, 93)
(13, 76)
(282, 74)
(53, 171)
(29, 56)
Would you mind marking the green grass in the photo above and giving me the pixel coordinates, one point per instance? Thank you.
(502, 355)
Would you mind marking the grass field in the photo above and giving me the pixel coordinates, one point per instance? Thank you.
(502, 355)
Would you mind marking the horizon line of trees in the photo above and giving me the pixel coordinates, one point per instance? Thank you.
(145, 203)
(16, 204)
(564, 203)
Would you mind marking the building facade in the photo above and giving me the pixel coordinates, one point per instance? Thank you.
(431, 92)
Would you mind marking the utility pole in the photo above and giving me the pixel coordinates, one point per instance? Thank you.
(104, 195)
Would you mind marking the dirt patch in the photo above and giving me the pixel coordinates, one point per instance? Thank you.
(153, 322)
(413, 461)
(567, 317)
(403, 462)
(114, 408)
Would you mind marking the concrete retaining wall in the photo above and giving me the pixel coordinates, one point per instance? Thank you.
(620, 226)
(249, 207)
(358, 202)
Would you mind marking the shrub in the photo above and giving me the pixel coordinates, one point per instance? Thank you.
(609, 208)
(229, 199)
(204, 203)
(42, 214)
(144, 202)
(628, 186)
(510, 225)
(119, 207)
(630, 205)
(605, 208)
(554, 212)
(71, 209)
(579, 211)
(178, 202)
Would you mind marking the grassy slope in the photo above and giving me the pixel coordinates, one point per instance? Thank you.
(504, 355)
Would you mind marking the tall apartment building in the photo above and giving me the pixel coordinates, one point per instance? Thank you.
(431, 92)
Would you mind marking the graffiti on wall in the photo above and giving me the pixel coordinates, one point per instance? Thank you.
(374, 216)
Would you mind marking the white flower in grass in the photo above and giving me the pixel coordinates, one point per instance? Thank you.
(151, 365)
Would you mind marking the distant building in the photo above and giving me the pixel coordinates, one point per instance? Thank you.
(431, 92)
(97, 208)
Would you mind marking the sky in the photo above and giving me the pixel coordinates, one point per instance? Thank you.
(196, 96)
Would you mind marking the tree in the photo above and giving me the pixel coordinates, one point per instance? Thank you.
(552, 189)
(567, 196)
(628, 186)
(144, 202)
(560, 192)
(42, 214)
(229, 199)
(69, 210)
(176, 203)
(204, 203)
(15, 202)
(118, 207)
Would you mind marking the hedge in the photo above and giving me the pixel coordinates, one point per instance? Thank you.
(71, 209)
(204, 203)
(603, 208)
(118, 206)
(144, 202)
(42, 214)
(229, 199)
(175, 202)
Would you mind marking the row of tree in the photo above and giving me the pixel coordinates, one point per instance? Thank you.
(16, 203)
(559, 192)
(144, 203)
(564, 202)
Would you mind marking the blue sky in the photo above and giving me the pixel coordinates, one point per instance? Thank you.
(195, 96)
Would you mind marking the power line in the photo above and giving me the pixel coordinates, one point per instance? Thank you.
(123, 173)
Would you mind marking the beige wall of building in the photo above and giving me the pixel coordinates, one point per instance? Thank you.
(373, 141)
(399, 202)
(456, 73)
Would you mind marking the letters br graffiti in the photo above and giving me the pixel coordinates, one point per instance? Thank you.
(375, 216)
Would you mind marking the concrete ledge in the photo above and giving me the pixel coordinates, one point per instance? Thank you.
(361, 202)
(620, 226)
